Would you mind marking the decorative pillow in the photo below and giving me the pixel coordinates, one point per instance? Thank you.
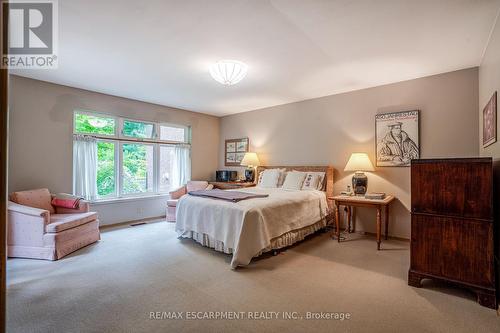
(321, 178)
(294, 180)
(311, 182)
(269, 178)
(40, 198)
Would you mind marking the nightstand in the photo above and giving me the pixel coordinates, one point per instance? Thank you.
(358, 201)
(231, 185)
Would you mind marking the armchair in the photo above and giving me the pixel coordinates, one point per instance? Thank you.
(177, 194)
(38, 230)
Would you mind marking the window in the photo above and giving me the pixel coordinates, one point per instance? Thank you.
(133, 157)
(86, 123)
(138, 164)
(106, 169)
(173, 133)
(138, 129)
(167, 156)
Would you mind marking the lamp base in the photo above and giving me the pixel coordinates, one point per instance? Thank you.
(359, 183)
(249, 175)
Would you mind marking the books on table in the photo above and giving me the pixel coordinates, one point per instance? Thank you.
(375, 196)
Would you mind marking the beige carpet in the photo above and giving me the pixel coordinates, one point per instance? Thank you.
(114, 285)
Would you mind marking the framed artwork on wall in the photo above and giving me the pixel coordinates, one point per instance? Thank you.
(397, 138)
(235, 150)
(490, 121)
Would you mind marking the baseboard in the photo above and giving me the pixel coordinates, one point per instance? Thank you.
(390, 237)
(149, 219)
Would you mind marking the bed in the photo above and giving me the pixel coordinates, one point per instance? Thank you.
(248, 228)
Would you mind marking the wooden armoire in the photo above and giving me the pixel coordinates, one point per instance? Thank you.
(452, 224)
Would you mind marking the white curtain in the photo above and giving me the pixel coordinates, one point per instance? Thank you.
(85, 167)
(181, 172)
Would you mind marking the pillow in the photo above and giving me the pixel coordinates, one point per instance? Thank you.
(311, 182)
(40, 198)
(321, 178)
(269, 178)
(281, 178)
(294, 180)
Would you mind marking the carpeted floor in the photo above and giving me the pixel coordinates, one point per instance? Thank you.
(113, 286)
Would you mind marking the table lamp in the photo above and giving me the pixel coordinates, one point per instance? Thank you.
(359, 162)
(250, 160)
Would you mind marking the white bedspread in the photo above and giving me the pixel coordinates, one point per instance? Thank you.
(249, 225)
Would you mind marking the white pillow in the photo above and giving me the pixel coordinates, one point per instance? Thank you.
(281, 178)
(270, 178)
(294, 180)
(311, 182)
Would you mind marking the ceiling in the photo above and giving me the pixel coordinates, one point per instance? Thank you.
(159, 51)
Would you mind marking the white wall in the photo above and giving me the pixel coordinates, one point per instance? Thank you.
(325, 131)
(40, 140)
(489, 82)
(125, 211)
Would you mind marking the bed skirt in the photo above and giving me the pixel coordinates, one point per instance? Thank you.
(280, 242)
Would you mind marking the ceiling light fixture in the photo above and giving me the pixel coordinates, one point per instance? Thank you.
(228, 72)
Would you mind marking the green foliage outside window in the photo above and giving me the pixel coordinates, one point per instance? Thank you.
(135, 168)
(105, 168)
(137, 129)
(85, 123)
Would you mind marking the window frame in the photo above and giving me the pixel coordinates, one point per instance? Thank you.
(119, 139)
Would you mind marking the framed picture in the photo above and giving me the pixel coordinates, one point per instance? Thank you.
(397, 138)
(490, 121)
(235, 150)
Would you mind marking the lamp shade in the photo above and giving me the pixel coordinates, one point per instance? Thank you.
(359, 162)
(250, 159)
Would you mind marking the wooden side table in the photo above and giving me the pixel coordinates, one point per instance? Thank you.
(358, 201)
(231, 185)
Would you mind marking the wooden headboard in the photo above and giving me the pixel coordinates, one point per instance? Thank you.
(328, 170)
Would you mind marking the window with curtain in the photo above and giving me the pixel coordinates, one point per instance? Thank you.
(119, 157)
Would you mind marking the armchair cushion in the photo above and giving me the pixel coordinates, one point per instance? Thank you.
(60, 222)
(40, 198)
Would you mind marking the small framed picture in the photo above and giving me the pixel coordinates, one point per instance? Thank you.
(490, 121)
(230, 158)
(235, 150)
(231, 147)
(242, 146)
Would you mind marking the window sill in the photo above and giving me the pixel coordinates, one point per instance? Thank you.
(128, 199)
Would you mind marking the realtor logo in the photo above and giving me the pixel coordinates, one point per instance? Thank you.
(32, 40)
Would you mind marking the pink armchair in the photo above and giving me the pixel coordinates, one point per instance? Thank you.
(175, 196)
(38, 230)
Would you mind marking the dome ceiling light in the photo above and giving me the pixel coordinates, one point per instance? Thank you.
(228, 72)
